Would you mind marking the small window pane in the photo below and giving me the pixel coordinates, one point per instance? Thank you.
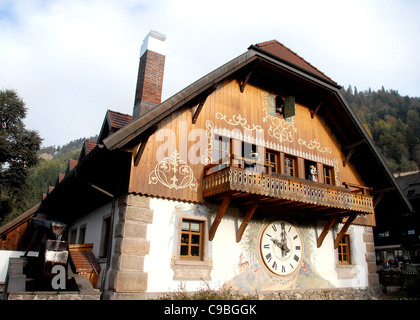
(185, 238)
(184, 250)
(185, 226)
(195, 239)
(195, 251)
(195, 226)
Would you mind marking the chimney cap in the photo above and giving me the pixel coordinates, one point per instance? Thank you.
(155, 42)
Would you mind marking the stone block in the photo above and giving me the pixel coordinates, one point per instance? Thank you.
(132, 246)
(131, 229)
(367, 237)
(128, 262)
(373, 279)
(127, 281)
(137, 214)
(370, 257)
(134, 200)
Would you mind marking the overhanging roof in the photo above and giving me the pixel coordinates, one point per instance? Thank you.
(302, 78)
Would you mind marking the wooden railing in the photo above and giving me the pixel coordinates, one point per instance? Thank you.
(288, 188)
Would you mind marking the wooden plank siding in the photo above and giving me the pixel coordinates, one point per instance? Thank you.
(229, 112)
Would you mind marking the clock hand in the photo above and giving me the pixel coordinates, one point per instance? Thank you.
(285, 249)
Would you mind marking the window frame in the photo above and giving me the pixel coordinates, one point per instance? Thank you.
(330, 176)
(218, 151)
(270, 164)
(294, 167)
(344, 243)
(190, 245)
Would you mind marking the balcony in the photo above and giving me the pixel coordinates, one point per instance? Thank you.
(275, 189)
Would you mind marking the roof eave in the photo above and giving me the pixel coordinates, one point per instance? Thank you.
(294, 66)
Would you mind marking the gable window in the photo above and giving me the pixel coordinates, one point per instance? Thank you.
(191, 240)
(344, 250)
(289, 166)
(328, 175)
(221, 151)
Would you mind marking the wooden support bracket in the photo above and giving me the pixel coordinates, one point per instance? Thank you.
(344, 229)
(202, 101)
(245, 222)
(222, 209)
(351, 147)
(327, 228)
(245, 82)
(348, 156)
(313, 113)
(143, 145)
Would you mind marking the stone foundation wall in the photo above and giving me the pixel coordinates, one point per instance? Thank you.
(127, 279)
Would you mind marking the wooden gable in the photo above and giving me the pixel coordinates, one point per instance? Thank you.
(173, 163)
(174, 144)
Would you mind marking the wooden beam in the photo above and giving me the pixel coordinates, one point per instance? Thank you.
(344, 229)
(348, 156)
(198, 110)
(245, 82)
(351, 146)
(313, 113)
(144, 140)
(202, 101)
(245, 222)
(219, 217)
(327, 228)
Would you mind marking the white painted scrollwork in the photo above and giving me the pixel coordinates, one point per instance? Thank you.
(173, 173)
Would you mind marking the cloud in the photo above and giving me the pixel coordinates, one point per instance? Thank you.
(72, 60)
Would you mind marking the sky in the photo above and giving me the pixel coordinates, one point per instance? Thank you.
(72, 60)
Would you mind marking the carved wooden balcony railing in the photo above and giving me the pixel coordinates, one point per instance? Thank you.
(233, 179)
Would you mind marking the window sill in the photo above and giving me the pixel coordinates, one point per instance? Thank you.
(345, 271)
(191, 269)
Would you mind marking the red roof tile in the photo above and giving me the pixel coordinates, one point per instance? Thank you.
(89, 145)
(276, 48)
(119, 120)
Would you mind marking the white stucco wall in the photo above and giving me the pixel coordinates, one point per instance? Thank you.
(4, 260)
(321, 263)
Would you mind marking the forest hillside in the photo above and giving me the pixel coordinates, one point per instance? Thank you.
(393, 123)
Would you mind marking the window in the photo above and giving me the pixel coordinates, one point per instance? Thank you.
(289, 166)
(271, 161)
(82, 233)
(72, 237)
(328, 175)
(221, 151)
(191, 240)
(106, 232)
(251, 155)
(344, 250)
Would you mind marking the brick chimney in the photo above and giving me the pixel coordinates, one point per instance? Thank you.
(150, 75)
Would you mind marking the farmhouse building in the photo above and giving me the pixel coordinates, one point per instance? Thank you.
(258, 176)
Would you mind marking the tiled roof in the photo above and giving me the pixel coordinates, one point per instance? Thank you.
(276, 48)
(89, 145)
(119, 120)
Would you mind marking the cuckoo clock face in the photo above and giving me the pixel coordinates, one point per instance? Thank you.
(281, 248)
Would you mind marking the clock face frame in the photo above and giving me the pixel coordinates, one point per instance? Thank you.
(281, 247)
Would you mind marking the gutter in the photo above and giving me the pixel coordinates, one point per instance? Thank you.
(109, 247)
